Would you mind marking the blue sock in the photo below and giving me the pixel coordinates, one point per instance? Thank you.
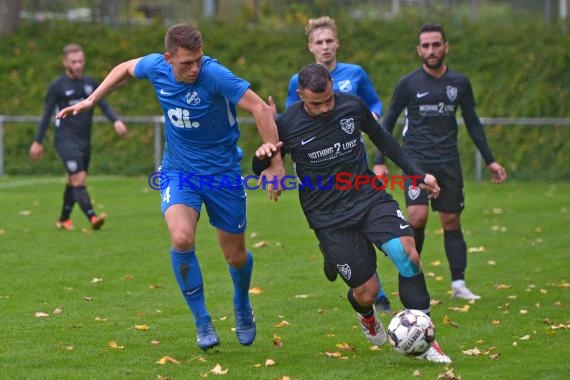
(241, 278)
(189, 277)
(380, 289)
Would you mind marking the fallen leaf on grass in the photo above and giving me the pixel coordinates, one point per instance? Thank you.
(435, 263)
(25, 213)
(167, 359)
(96, 280)
(472, 352)
(114, 345)
(260, 244)
(277, 341)
(269, 363)
(142, 327)
(526, 337)
(555, 325)
(491, 262)
(449, 375)
(476, 249)
(155, 286)
(282, 324)
(154, 342)
(301, 296)
(463, 309)
(417, 373)
(100, 319)
(505, 306)
(336, 355)
(375, 348)
(88, 299)
(255, 290)
(41, 314)
(217, 370)
(502, 286)
(345, 346)
(449, 322)
(128, 277)
(435, 302)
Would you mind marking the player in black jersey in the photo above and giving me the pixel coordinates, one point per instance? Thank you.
(344, 203)
(430, 97)
(73, 134)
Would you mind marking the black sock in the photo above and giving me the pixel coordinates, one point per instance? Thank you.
(82, 197)
(365, 311)
(419, 236)
(456, 251)
(68, 202)
(414, 293)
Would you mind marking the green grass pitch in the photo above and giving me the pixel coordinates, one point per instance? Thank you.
(86, 305)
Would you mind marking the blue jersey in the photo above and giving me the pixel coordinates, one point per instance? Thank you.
(201, 128)
(347, 78)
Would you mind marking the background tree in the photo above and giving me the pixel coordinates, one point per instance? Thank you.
(9, 16)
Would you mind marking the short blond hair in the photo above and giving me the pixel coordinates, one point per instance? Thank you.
(321, 22)
(71, 48)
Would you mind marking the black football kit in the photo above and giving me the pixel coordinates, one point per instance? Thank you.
(72, 134)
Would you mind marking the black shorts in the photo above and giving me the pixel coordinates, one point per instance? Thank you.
(75, 157)
(351, 248)
(450, 179)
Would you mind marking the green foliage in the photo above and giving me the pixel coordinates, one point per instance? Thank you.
(106, 282)
(517, 68)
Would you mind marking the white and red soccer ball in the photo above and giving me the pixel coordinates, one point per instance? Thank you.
(411, 332)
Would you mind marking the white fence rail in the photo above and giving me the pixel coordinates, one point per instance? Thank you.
(158, 121)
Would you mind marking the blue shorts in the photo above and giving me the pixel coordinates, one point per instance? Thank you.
(223, 195)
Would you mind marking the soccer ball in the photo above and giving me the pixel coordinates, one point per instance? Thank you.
(411, 332)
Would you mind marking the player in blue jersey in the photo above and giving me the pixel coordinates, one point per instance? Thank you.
(72, 136)
(347, 78)
(201, 159)
(431, 96)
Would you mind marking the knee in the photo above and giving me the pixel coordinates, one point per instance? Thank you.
(366, 294)
(181, 240)
(236, 258)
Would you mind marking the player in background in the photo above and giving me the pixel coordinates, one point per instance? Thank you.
(429, 98)
(347, 78)
(199, 96)
(73, 135)
(322, 133)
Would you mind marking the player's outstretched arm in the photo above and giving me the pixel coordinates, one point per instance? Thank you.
(116, 77)
(265, 122)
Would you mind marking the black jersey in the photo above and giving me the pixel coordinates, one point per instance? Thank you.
(430, 125)
(64, 92)
(323, 147)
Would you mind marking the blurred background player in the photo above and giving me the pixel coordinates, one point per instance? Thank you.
(347, 78)
(73, 135)
(430, 97)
